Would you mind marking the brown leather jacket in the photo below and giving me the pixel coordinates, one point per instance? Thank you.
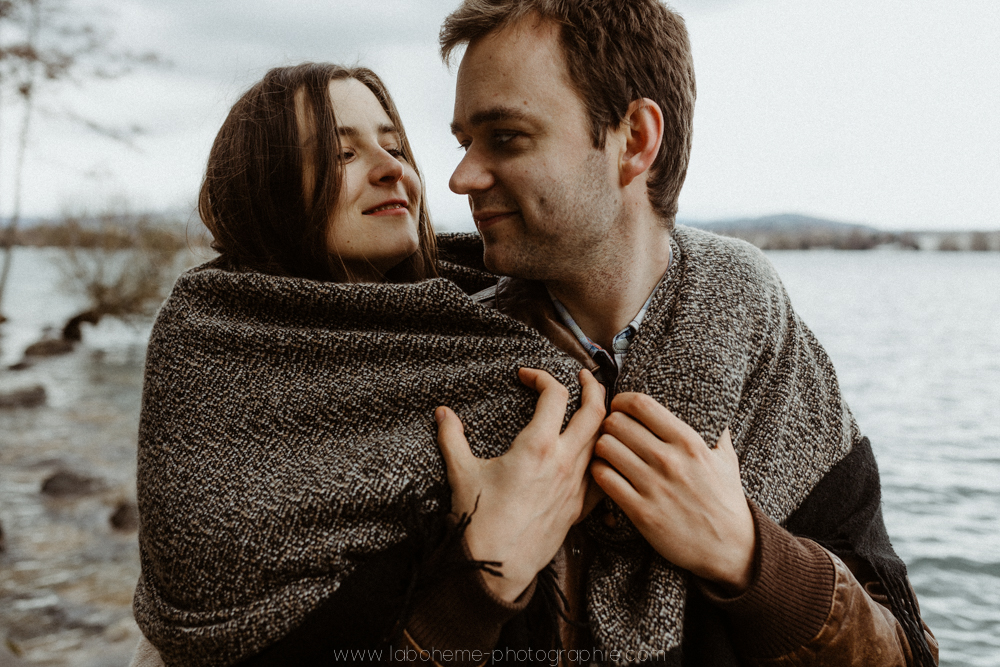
(804, 606)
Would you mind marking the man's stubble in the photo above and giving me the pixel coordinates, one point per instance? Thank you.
(567, 234)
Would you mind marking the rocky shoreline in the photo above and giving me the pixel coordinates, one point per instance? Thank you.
(69, 556)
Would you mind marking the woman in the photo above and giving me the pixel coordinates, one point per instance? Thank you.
(306, 146)
(288, 469)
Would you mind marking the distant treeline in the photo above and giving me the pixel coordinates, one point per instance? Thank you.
(121, 231)
(107, 232)
(863, 239)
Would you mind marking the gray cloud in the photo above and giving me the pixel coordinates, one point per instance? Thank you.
(877, 112)
(208, 38)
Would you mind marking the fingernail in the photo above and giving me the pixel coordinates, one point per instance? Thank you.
(439, 415)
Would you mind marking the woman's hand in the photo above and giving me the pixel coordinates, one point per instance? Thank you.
(530, 497)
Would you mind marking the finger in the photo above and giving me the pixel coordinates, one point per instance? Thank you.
(624, 460)
(725, 442)
(550, 410)
(660, 421)
(634, 435)
(616, 486)
(454, 446)
(594, 495)
(584, 424)
(724, 446)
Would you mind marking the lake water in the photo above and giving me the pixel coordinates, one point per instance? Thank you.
(915, 338)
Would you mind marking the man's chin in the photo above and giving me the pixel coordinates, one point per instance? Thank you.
(493, 263)
(496, 258)
(502, 262)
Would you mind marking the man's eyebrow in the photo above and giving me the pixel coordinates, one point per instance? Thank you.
(348, 131)
(491, 115)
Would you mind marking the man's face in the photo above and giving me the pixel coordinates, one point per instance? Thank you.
(544, 199)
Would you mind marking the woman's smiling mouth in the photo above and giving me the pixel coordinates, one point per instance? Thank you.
(393, 207)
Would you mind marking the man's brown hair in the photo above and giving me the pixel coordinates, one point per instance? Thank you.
(617, 51)
(253, 198)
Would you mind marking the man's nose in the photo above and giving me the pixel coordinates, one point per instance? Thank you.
(471, 175)
(386, 170)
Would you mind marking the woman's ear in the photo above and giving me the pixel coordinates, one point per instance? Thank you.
(643, 133)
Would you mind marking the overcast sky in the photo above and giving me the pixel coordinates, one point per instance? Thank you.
(882, 112)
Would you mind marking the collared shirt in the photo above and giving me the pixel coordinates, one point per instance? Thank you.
(609, 362)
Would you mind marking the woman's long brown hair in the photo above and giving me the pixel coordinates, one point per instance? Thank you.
(252, 198)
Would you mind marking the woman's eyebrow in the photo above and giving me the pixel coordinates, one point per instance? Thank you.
(348, 131)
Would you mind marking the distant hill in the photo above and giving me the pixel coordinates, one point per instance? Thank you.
(789, 231)
(781, 223)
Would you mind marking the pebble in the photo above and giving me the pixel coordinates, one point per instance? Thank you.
(68, 483)
(29, 397)
(125, 517)
(49, 347)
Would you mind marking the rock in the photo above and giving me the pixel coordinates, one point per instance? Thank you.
(30, 397)
(67, 483)
(72, 329)
(125, 517)
(49, 347)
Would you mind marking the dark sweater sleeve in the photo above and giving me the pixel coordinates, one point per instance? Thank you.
(805, 606)
(789, 597)
(462, 617)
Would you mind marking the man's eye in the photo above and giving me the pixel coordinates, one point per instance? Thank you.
(464, 146)
(502, 136)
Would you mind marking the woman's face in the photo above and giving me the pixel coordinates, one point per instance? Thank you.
(375, 224)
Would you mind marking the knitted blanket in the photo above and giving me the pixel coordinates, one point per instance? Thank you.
(720, 345)
(287, 432)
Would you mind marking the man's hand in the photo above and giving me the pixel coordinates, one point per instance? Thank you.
(529, 497)
(686, 499)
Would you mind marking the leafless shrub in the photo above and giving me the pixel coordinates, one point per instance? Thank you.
(47, 43)
(122, 263)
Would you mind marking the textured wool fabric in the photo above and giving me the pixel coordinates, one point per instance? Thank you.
(287, 431)
(720, 346)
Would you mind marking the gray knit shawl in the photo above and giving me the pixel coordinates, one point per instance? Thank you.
(720, 345)
(287, 431)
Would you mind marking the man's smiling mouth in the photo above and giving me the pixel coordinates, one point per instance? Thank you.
(483, 221)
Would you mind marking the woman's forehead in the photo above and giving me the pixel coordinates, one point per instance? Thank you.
(356, 107)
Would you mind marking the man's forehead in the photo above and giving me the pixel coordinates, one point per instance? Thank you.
(510, 73)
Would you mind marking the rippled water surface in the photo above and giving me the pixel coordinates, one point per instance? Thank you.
(915, 338)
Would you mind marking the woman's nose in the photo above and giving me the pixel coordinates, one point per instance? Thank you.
(386, 170)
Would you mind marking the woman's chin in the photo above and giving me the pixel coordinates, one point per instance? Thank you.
(377, 269)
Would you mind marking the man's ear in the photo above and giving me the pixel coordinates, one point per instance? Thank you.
(643, 130)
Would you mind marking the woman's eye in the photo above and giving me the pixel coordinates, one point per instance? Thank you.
(396, 153)
(346, 155)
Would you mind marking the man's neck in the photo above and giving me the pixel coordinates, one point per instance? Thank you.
(605, 298)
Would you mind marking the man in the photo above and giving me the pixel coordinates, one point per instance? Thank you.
(576, 121)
